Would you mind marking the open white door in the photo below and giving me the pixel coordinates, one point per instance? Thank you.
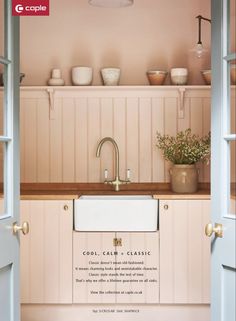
(223, 163)
(9, 177)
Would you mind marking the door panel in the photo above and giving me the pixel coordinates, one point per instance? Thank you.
(9, 165)
(232, 32)
(6, 294)
(2, 199)
(232, 183)
(227, 291)
(223, 271)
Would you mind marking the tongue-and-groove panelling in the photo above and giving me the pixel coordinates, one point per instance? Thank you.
(62, 148)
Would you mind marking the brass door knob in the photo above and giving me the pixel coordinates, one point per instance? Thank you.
(24, 228)
(217, 229)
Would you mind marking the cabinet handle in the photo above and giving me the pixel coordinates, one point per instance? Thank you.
(166, 207)
(66, 207)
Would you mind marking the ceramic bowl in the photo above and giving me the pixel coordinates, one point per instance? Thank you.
(82, 76)
(206, 74)
(22, 75)
(233, 74)
(156, 77)
(110, 76)
(179, 76)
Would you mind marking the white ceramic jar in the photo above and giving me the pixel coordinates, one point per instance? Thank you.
(56, 79)
(56, 73)
(110, 76)
(82, 76)
(179, 76)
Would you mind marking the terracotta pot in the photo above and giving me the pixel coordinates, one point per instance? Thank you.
(184, 178)
(206, 74)
(156, 77)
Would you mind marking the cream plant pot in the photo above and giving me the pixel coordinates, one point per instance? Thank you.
(184, 178)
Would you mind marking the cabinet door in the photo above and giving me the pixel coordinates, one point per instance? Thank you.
(46, 252)
(139, 268)
(184, 252)
(116, 268)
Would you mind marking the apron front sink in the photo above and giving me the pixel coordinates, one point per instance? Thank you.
(138, 213)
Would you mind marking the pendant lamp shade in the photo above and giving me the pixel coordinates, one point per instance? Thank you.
(111, 3)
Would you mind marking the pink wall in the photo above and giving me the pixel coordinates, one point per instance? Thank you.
(150, 34)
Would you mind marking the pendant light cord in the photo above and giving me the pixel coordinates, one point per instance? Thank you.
(200, 18)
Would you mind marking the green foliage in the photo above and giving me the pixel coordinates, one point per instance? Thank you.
(185, 148)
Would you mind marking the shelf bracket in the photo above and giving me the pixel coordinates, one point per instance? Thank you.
(51, 103)
(181, 102)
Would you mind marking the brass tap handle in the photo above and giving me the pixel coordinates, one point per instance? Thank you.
(128, 172)
(217, 229)
(24, 228)
(105, 175)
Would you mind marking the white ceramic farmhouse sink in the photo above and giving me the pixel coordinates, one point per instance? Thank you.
(138, 213)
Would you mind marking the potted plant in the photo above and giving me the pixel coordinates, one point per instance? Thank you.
(184, 151)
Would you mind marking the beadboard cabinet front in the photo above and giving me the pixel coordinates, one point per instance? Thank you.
(46, 252)
(184, 252)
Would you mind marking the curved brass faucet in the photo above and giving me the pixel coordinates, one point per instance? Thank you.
(117, 181)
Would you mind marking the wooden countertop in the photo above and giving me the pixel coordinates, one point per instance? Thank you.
(70, 191)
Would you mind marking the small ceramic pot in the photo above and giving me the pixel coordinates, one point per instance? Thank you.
(110, 76)
(82, 76)
(179, 76)
(156, 77)
(184, 178)
(206, 74)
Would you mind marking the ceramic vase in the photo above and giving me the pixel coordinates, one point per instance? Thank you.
(184, 178)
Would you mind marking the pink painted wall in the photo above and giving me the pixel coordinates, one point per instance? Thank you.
(151, 34)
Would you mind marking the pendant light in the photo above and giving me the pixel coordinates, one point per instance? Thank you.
(199, 49)
(111, 3)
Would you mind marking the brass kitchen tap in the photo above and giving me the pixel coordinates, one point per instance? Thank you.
(116, 182)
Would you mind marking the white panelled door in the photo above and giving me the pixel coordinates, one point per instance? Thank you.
(223, 169)
(9, 176)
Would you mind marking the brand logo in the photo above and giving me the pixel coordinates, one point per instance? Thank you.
(30, 7)
(19, 8)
